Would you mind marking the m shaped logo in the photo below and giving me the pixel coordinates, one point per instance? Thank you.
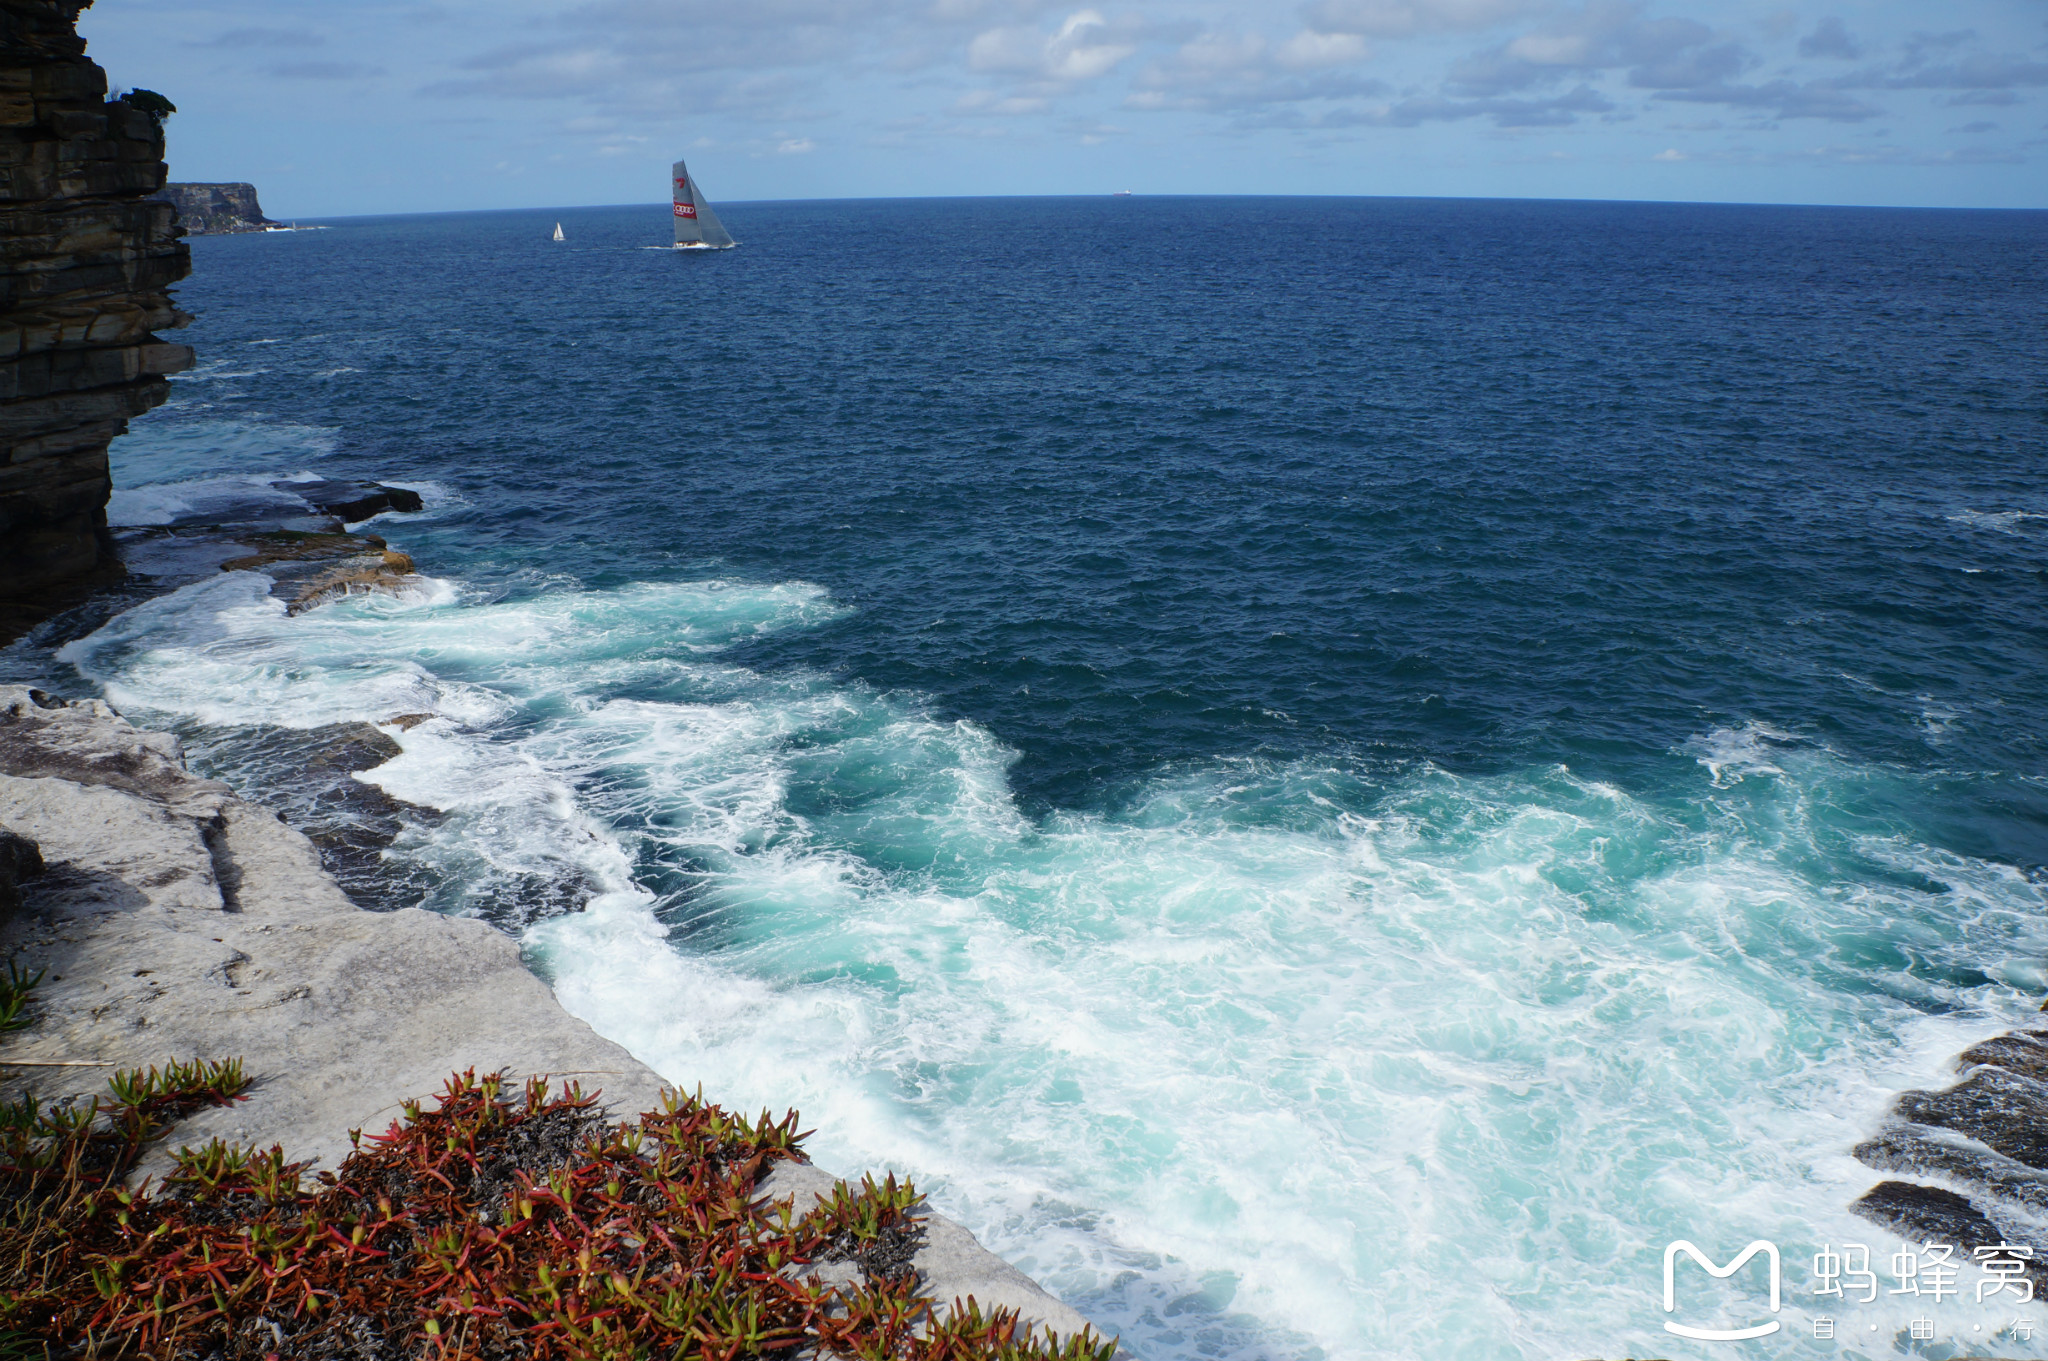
(1721, 1273)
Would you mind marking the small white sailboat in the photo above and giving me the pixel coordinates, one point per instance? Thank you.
(558, 231)
(697, 227)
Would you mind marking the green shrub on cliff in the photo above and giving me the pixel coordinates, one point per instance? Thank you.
(493, 1226)
(151, 103)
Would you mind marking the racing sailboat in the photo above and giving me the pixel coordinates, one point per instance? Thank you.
(558, 231)
(697, 227)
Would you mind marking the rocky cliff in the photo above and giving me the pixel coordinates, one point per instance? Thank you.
(86, 263)
(216, 209)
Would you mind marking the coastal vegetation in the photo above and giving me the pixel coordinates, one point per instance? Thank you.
(492, 1223)
(151, 103)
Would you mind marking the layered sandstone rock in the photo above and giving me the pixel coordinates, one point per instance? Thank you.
(86, 265)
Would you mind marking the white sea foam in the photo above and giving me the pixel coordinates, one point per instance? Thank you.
(1938, 720)
(1243, 1072)
(2000, 521)
(1733, 754)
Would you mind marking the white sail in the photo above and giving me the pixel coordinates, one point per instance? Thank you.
(558, 231)
(696, 224)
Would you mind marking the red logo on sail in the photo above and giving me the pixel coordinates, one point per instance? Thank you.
(686, 210)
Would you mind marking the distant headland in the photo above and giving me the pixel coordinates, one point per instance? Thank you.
(216, 209)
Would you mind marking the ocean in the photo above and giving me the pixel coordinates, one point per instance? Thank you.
(1328, 775)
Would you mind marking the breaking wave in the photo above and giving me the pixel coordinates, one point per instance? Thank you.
(1265, 1060)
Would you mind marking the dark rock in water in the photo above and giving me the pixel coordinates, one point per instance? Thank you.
(1915, 1149)
(2016, 1053)
(1927, 1214)
(19, 860)
(2001, 1110)
(383, 571)
(308, 775)
(1987, 1137)
(352, 501)
(350, 747)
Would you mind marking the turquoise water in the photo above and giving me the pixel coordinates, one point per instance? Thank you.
(1326, 802)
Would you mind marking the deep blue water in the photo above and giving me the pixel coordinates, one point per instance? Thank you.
(1321, 634)
(1136, 481)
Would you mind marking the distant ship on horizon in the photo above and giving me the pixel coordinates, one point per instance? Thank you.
(697, 227)
(1121, 193)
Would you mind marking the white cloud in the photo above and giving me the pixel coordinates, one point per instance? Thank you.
(1670, 154)
(1083, 49)
(795, 146)
(1309, 50)
(1230, 71)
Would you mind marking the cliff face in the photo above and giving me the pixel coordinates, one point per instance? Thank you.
(86, 264)
(216, 209)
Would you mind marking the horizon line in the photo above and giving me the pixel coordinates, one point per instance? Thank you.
(1102, 194)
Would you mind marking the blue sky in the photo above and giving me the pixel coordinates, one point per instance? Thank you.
(422, 105)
